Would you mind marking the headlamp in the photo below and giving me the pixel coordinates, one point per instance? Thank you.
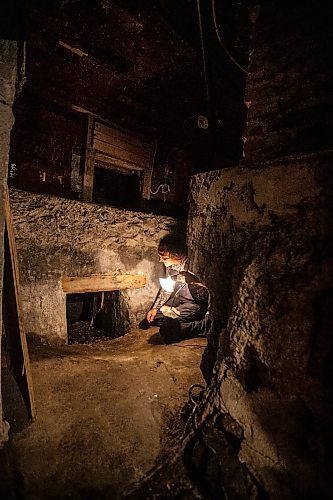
(168, 284)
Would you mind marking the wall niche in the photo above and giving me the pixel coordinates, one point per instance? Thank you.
(96, 316)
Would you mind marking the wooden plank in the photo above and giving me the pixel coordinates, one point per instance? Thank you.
(112, 164)
(114, 126)
(89, 161)
(121, 153)
(13, 316)
(138, 149)
(75, 50)
(102, 282)
(146, 183)
(106, 131)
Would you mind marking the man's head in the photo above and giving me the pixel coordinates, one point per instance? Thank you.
(172, 250)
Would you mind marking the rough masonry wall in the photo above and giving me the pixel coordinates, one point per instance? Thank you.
(268, 263)
(8, 70)
(260, 235)
(56, 237)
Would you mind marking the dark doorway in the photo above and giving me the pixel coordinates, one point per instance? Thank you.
(94, 317)
(116, 188)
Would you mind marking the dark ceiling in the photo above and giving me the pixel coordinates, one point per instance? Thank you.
(138, 63)
(150, 66)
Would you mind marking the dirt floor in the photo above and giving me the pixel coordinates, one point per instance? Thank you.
(108, 414)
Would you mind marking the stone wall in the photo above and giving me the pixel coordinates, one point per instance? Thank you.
(260, 235)
(56, 237)
(268, 262)
(8, 70)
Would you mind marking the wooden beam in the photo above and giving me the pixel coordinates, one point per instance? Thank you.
(119, 165)
(114, 126)
(102, 282)
(109, 134)
(13, 316)
(75, 50)
(89, 162)
(119, 153)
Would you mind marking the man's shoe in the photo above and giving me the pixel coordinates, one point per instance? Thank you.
(144, 324)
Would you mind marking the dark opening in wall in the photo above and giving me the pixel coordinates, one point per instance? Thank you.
(117, 188)
(93, 317)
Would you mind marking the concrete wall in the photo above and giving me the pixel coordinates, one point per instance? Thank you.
(56, 237)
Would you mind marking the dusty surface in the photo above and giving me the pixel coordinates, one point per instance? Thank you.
(106, 413)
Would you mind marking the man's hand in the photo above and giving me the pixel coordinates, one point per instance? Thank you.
(151, 315)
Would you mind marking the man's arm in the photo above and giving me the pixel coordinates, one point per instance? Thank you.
(161, 299)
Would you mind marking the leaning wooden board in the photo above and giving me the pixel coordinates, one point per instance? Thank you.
(17, 349)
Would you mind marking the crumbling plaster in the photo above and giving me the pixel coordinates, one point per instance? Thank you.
(57, 237)
(261, 241)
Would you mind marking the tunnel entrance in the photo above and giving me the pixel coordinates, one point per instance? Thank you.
(98, 306)
(96, 316)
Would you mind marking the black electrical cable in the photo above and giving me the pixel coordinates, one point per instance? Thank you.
(217, 31)
(200, 433)
(204, 63)
(190, 391)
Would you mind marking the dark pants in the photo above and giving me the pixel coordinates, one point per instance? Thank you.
(175, 330)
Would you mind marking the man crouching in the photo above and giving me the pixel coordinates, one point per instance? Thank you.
(181, 306)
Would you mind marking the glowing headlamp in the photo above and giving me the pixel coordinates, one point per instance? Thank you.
(168, 284)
